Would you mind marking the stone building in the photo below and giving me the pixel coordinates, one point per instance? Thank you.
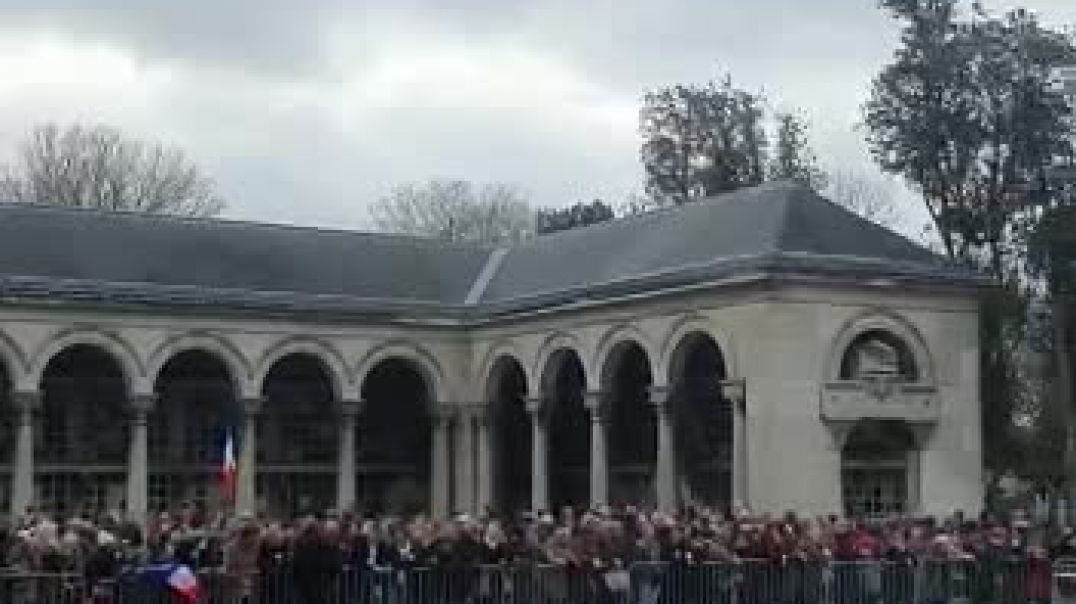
(764, 347)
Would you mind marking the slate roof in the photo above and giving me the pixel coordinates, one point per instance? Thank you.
(106, 257)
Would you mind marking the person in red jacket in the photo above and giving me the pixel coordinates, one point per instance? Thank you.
(1039, 578)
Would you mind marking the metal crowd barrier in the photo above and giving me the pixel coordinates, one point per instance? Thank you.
(752, 582)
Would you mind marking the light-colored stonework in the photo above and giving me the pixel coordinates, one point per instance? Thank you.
(783, 340)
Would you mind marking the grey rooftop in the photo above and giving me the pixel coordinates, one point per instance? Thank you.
(771, 231)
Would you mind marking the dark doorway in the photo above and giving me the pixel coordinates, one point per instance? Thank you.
(703, 421)
(393, 448)
(632, 425)
(297, 439)
(511, 436)
(188, 428)
(563, 384)
(875, 469)
(83, 423)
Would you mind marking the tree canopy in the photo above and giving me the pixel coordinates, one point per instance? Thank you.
(456, 210)
(99, 167)
(966, 115)
(702, 140)
(579, 214)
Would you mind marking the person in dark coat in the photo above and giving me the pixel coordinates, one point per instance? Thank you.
(102, 567)
(316, 565)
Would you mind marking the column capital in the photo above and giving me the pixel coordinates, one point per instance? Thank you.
(26, 401)
(141, 404)
(660, 396)
(596, 402)
(536, 405)
(735, 390)
(483, 413)
(442, 414)
(922, 433)
(593, 399)
(465, 411)
(352, 409)
(251, 405)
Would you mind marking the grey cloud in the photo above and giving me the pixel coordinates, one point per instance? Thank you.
(299, 164)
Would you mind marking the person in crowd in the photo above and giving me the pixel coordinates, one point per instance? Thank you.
(581, 551)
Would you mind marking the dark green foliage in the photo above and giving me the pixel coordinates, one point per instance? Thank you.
(580, 214)
(966, 115)
(793, 158)
(701, 140)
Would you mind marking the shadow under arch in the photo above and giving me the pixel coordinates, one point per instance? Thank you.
(298, 427)
(83, 422)
(393, 451)
(631, 424)
(196, 410)
(511, 434)
(563, 383)
(702, 420)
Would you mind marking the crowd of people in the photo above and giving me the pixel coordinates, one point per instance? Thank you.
(312, 550)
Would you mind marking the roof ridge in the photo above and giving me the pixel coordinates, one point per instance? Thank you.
(223, 221)
(793, 201)
(668, 208)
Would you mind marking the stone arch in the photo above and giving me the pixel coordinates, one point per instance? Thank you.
(685, 326)
(555, 343)
(611, 344)
(422, 360)
(125, 355)
(883, 320)
(491, 357)
(493, 370)
(13, 360)
(332, 362)
(239, 367)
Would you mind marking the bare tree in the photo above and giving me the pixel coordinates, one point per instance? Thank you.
(868, 196)
(98, 167)
(456, 210)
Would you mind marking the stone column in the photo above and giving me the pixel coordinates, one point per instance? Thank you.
(539, 412)
(599, 465)
(485, 459)
(139, 406)
(465, 461)
(735, 392)
(440, 465)
(345, 468)
(22, 477)
(665, 483)
(245, 491)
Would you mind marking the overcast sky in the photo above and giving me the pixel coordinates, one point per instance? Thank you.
(305, 111)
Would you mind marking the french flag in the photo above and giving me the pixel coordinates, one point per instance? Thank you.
(228, 468)
(176, 578)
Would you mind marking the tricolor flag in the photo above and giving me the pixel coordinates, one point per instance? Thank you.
(228, 468)
(176, 578)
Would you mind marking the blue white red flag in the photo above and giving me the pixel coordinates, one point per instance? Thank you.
(176, 578)
(228, 468)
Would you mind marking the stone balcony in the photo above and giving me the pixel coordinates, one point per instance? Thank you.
(855, 400)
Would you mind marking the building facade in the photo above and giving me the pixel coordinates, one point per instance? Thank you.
(765, 347)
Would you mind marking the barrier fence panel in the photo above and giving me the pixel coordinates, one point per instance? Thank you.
(994, 581)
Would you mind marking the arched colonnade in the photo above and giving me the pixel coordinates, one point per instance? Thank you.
(89, 421)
